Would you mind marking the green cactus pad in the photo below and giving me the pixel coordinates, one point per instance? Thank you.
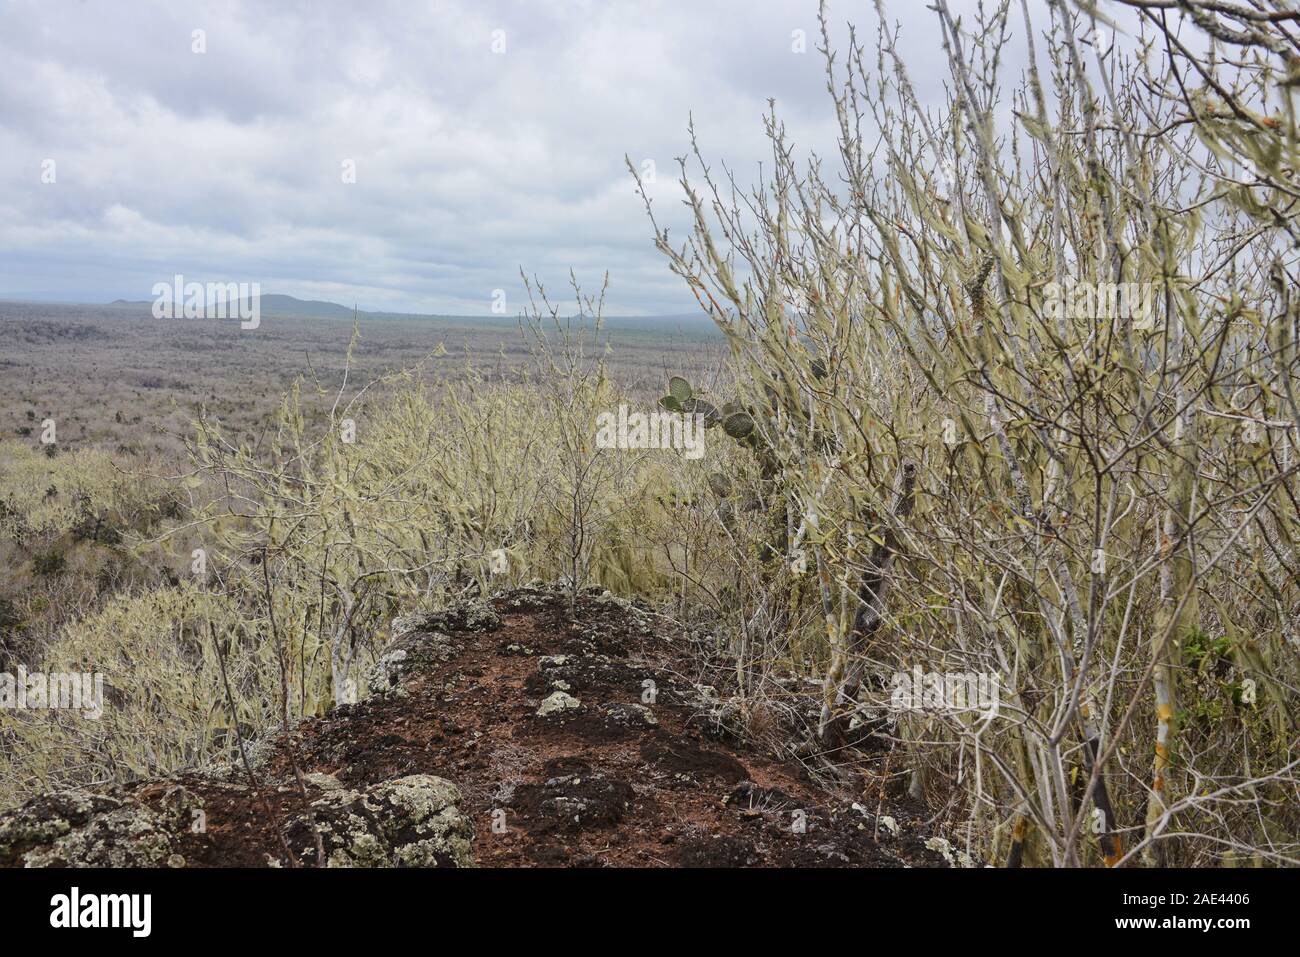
(680, 388)
(738, 425)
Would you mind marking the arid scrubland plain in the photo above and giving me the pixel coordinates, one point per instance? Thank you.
(958, 526)
(117, 379)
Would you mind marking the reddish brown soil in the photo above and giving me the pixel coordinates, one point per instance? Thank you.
(597, 786)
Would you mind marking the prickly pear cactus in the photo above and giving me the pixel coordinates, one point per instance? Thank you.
(740, 424)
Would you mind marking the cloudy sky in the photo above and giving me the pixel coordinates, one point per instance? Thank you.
(476, 152)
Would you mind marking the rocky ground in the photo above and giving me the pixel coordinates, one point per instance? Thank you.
(499, 735)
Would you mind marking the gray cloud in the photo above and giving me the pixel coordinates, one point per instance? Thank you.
(469, 164)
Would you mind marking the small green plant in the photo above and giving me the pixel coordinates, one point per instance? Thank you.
(1201, 651)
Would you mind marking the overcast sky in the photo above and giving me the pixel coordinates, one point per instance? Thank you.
(228, 165)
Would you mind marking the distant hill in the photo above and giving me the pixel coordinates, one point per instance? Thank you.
(272, 304)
